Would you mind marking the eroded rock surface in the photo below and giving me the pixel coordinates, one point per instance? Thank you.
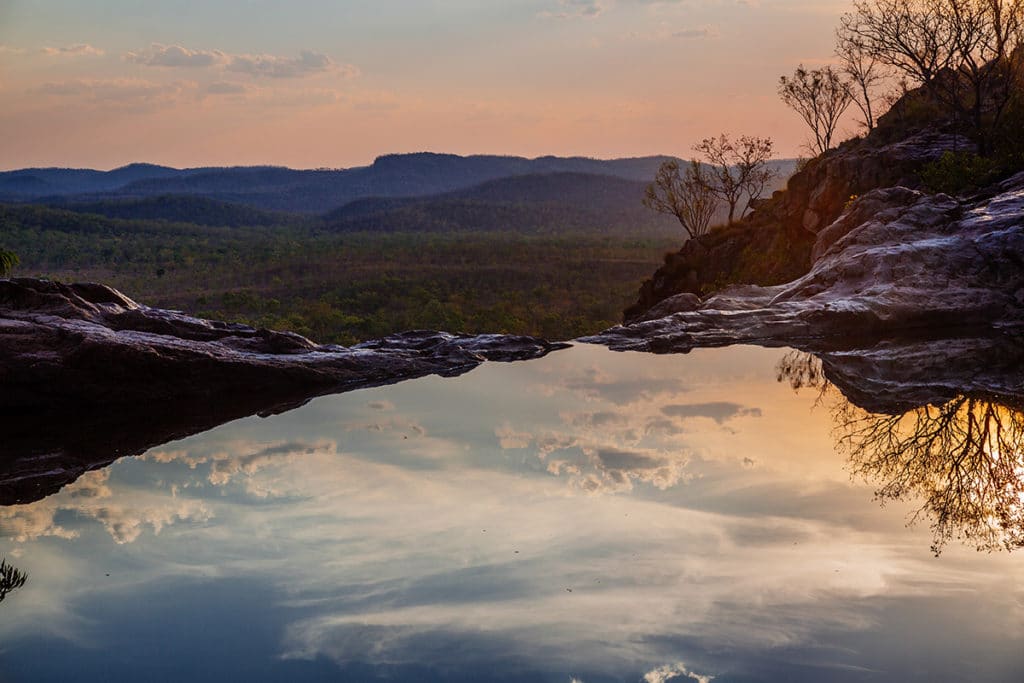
(89, 375)
(774, 244)
(898, 261)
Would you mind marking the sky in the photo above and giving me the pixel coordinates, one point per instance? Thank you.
(335, 83)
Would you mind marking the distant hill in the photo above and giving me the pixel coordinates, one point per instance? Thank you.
(407, 192)
(306, 191)
(540, 203)
(537, 203)
(183, 209)
(31, 183)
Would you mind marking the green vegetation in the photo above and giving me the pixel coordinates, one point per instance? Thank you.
(347, 286)
(8, 259)
(958, 172)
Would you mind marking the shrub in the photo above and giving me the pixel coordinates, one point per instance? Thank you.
(8, 259)
(958, 172)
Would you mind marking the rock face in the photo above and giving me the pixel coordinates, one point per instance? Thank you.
(773, 244)
(89, 375)
(896, 262)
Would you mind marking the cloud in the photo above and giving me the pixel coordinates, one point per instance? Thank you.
(177, 56)
(511, 439)
(229, 464)
(671, 672)
(593, 384)
(92, 498)
(307, 63)
(224, 470)
(226, 88)
(719, 411)
(572, 9)
(270, 66)
(76, 50)
(602, 418)
(696, 33)
(115, 90)
(614, 459)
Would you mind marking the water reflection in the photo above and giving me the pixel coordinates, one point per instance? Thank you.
(961, 458)
(591, 516)
(964, 459)
(11, 579)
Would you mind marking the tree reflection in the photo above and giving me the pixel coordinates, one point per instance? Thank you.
(801, 369)
(964, 458)
(11, 579)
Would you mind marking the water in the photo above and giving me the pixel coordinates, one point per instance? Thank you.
(589, 516)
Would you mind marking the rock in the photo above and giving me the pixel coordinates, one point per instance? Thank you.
(898, 261)
(674, 304)
(89, 375)
(879, 206)
(774, 244)
(896, 376)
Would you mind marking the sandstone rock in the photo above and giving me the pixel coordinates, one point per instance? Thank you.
(773, 244)
(898, 261)
(89, 376)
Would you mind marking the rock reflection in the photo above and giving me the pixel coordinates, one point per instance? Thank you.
(961, 456)
(11, 579)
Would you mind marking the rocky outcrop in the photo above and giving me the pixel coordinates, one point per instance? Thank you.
(89, 375)
(773, 244)
(895, 376)
(898, 261)
(88, 344)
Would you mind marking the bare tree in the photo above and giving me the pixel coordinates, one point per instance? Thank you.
(865, 73)
(739, 169)
(689, 197)
(914, 37)
(820, 97)
(988, 32)
(965, 52)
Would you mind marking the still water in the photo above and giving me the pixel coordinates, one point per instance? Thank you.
(589, 516)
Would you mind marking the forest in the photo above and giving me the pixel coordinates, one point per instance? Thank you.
(347, 285)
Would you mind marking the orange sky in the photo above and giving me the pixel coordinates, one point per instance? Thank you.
(328, 83)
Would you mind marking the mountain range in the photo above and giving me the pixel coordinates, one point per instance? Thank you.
(422, 191)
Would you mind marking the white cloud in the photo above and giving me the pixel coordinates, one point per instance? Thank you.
(307, 63)
(177, 56)
(76, 50)
(91, 497)
(671, 672)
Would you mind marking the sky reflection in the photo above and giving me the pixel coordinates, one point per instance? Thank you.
(590, 516)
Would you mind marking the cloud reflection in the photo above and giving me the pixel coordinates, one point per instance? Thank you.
(123, 517)
(508, 560)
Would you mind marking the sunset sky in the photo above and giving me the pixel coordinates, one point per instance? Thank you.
(334, 83)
